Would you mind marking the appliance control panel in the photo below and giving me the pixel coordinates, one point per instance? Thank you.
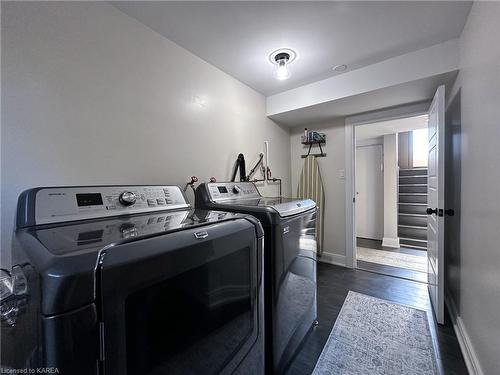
(54, 205)
(220, 191)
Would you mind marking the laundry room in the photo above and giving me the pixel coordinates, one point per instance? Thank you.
(180, 187)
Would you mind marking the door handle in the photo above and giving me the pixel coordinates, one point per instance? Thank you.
(450, 212)
(431, 211)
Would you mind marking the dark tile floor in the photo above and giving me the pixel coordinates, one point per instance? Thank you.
(421, 277)
(334, 282)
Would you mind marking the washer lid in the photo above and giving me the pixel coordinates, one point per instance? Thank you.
(73, 239)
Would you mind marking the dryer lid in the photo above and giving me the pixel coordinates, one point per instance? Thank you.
(283, 206)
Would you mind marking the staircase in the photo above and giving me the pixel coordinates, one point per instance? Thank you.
(412, 219)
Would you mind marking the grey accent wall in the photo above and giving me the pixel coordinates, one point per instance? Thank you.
(479, 84)
(92, 96)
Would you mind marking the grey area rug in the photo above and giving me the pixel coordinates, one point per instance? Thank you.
(375, 336)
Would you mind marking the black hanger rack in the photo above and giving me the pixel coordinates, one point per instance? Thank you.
(311, 143)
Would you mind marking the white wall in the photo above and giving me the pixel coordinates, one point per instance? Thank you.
(334, 233)
(479, 80)
(370, 190)
(369, 141)
(391, 238)
(92, 96)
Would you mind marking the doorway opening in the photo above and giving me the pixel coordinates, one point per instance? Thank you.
(391, 197)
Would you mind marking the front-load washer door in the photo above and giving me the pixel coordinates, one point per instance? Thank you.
(182, 303)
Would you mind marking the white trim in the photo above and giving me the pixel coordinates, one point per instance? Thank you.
(350, 227)
(470, 357)
(390, 242)
(331, 258)
(350, 160)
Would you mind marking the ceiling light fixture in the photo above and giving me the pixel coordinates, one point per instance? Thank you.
(339, 68)
(281, 60)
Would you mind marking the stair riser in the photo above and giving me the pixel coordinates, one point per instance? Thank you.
(419, 221)
(413, 198)
(409, 209)
(412, 189)
(411, 243)
(419, 234)
(412, 180)
(413, 172)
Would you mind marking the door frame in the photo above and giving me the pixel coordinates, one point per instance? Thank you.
(350, 164)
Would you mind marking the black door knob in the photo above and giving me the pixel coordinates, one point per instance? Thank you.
(431, 211)
(450, 212)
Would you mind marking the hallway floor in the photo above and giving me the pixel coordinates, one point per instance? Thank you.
(404, 262)
(334, 282)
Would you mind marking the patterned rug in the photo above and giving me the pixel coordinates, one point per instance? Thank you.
(392, 258)
(375, 336)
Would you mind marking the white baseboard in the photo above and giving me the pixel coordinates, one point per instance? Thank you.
(470, 356)
(331, 258)
(390, 242)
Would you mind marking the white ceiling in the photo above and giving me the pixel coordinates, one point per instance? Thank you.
(421, 90)
(378, 129)
(238, 36)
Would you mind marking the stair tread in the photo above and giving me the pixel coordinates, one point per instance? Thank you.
(413, 184)
(411, 214)
(412, 226)
(412, 239)
(414, 204)
(415, 247)
(412, 193)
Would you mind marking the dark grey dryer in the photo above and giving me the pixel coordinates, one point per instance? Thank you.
(289, 262)
(131, 280)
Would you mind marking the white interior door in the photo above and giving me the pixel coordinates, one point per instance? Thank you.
(435, 210)
(369, 192)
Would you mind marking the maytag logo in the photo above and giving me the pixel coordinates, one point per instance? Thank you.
(201, 235)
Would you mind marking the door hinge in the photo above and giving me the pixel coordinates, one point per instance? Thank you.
(101, 341)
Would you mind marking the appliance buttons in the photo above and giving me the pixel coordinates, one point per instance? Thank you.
(151, 202)
(161, 202)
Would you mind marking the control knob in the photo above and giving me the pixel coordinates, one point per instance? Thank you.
(127, 198)
(236, 189)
